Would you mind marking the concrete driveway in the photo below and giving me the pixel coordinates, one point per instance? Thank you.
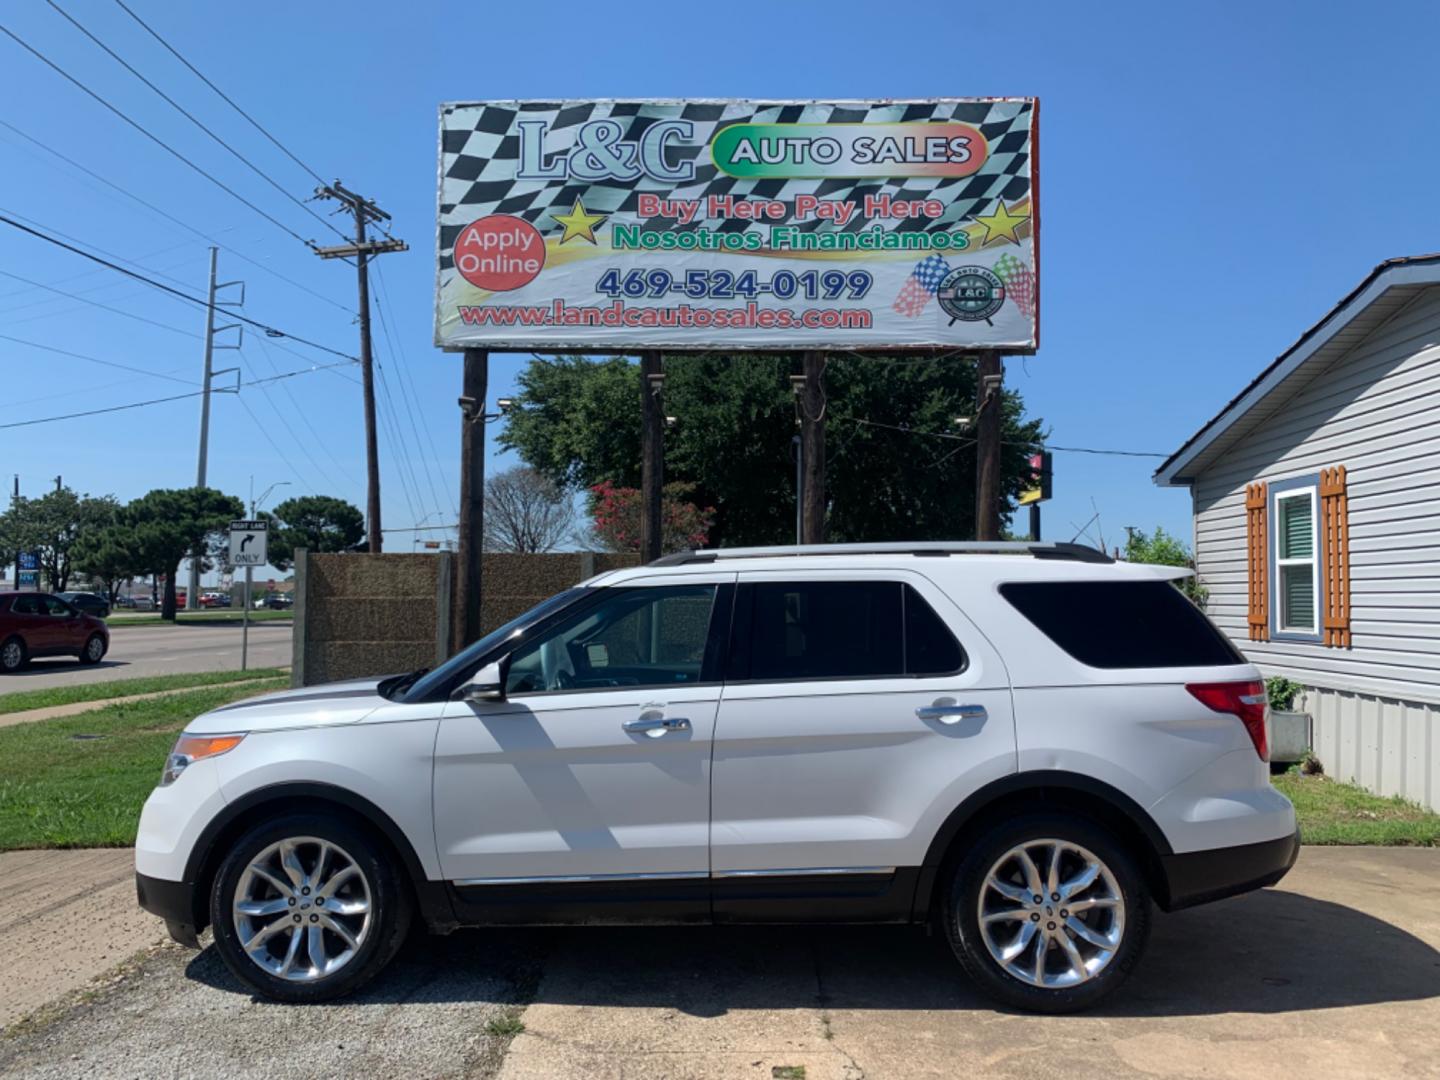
(139, 651)
(1334, 974)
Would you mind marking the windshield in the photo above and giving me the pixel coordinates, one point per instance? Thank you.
(468, 657)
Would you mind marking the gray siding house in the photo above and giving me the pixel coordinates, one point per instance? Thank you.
(1316, 502)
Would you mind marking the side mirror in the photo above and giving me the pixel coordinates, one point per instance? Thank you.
(487, 684)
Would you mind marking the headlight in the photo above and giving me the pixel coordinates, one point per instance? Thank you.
(192, 748)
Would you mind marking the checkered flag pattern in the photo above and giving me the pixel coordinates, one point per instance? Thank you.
(1019, 282)
(920, 286)
(480, 150)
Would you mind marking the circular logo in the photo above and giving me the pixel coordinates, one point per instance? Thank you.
(970, 293)
(499, 253)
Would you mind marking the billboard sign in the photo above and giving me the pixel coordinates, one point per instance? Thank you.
(601, 225)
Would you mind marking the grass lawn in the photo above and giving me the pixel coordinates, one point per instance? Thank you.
(1334, 813)
(21, 700)
(220, 615)
(60, 789)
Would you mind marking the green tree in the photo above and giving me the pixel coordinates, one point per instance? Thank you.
(314, 522)
(892, 472)
(53, 525)
(107, 553)
(1161, 549)
(167, 524)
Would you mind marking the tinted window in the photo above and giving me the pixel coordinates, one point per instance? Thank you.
(57, 607)
(930, 648)
(842, 630)
(630, 638)
(26, 605)
(1122, 624)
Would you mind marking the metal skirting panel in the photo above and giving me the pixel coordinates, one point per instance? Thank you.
(1389, 745)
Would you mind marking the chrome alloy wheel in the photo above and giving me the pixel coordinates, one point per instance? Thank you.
(94, 648)
(1051, 914)
(302, 909)
(12, 655)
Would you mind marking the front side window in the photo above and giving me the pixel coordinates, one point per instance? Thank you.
(58, 608)
(642, 637)
(1297, 585)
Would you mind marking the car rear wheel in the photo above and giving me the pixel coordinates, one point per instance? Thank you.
(1048, 913)
(12, 655)
(308, 908)
(94, 650)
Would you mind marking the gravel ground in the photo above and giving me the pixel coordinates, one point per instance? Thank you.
(176, 1013)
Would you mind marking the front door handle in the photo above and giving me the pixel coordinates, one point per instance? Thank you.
(951, 714)
(655, 728)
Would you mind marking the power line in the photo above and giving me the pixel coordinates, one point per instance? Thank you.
(305, 419)
(254, 123)
(265, 434)
(189, 116)
(158, 401)
(151, 136)
(380, 307)
(265, 391)
(1007, 442)
(96, 360)
(171, 218)
(269, 330)
(97, 304)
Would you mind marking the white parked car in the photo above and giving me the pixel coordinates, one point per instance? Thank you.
(1026, 744)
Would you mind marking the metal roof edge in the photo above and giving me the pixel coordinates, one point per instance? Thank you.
(1409, 269)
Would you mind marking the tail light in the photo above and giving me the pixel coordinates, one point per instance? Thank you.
(1243, 699)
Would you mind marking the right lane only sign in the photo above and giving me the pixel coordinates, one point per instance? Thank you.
(247, 543)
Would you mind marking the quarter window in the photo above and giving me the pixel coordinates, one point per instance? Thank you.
(1297, 570)
(642, 637)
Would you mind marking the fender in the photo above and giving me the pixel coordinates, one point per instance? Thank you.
(1050, 779)
(432, 896)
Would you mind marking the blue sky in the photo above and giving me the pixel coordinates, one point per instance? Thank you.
(1212, 178)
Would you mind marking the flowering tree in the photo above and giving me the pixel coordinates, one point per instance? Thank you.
(615, 517)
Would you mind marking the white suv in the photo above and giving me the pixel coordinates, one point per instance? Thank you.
(1024, 743)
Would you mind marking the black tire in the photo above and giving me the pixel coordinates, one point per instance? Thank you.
(389, 899)
(963, 898)
(13, 659)
(86, 656)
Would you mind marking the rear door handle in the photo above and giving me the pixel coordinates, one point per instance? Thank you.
(951, 714)
(655, 728)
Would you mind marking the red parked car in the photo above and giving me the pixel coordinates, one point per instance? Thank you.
(37, 624)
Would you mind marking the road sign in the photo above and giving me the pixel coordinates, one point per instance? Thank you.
(247, 543)
(28, 560)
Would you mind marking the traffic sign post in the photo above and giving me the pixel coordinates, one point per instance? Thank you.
(248, 548)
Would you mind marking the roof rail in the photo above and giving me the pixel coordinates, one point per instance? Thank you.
(1041, 549)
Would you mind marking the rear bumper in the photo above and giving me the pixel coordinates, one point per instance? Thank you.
(1197, 877)
(173, 901)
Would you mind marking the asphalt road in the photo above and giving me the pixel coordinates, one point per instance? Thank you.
(1334, 974)
(161, 650)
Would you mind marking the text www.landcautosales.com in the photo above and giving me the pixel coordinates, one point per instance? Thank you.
(619, 313)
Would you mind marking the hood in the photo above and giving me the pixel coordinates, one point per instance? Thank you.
(309, 706)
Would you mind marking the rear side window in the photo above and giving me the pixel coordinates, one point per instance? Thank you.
(839, 630)
(1122, 624)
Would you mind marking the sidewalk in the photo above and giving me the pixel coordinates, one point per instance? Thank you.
(68, 916)
(53, 712)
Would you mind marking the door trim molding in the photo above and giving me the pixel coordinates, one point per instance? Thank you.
(693, 875)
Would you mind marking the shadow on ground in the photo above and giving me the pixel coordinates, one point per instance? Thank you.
(51, 665)
(1266, 952)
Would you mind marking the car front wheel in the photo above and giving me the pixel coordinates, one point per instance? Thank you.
(308, 908)
(1048, 913)
(94, 650)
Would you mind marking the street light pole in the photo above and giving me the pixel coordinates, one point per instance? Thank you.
(249, 574)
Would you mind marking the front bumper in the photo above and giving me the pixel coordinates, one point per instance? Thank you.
(176, 903)
(1197, 877)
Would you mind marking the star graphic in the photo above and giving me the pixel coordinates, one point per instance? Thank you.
(578, 223)
(1001, 224)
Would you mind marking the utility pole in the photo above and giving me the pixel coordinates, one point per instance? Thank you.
(652, 454)
(472, 493)
(989, 381)
(364, 211)
(192, 594)
(811, 391)
(797, 448)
